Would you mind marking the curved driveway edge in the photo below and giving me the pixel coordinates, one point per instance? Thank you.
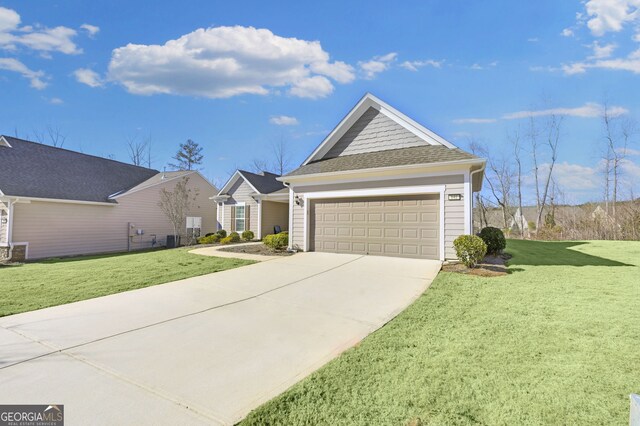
(206, 349)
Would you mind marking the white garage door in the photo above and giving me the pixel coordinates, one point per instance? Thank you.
(403, 226)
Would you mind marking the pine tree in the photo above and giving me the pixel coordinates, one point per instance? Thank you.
(188, 156)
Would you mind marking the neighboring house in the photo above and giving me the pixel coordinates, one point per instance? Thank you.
(519, 221)
(382, 184)
(56, 202)
(255, 202)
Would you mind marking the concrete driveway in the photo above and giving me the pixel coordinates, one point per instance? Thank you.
(204, 350)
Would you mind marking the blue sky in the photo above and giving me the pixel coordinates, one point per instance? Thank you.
(225, 75)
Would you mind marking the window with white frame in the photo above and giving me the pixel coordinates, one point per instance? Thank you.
(239, 218)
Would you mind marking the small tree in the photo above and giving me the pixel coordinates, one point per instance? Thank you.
(188, 156)
(175, 204)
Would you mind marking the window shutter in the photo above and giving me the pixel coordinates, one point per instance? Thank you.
(247, 218)
(233, 218)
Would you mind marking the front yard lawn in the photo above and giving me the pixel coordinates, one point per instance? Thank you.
(54, 282)
(554, 342)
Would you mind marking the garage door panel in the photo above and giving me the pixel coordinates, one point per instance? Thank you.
(406, 226)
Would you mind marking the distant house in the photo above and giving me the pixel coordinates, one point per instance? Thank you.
(519, 220)
(254, 202)
(56, 202)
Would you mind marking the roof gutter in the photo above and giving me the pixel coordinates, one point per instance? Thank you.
(19, 198)
(293, 178)
(481, 169)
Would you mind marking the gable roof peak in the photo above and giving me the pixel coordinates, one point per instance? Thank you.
(371, 101)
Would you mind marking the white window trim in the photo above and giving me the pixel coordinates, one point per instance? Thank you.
(26, 248)
(402, 190)
(241, 204)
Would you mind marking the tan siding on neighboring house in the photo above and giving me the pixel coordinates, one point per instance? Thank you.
(453, 210)
(60, 229)
(273, 214)
(241, 192)
(374, 131)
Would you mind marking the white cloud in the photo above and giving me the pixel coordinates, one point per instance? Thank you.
(601, 52)
(371, 68)
(92, 30)
(629, 63)
(474, 120)
(478, 67)
(36, 78)
(88, 77)
(610, 15)
(574, 177)
(283, 120)
(35, 37)
(56, 101)
(414, 65)
(533, 39)
(588, 110)
(630, 151)
(222, 62)
(567, 32)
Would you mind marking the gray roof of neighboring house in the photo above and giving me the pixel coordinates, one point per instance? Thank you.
(31, 169)
(428, 154)
(265, 183)
(158, 178)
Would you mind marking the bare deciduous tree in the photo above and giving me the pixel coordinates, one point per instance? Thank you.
(137, 150)
(177, 203)
(56, 137)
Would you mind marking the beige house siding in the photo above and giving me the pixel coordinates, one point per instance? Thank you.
(374, 131)
(453, 210)
(274, 213)
(61, 229)
(240, 192)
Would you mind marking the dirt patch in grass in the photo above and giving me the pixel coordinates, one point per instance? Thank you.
(256, 249)
(491, 266)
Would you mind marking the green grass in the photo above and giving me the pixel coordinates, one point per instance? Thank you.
(54, 282)
(557, 341)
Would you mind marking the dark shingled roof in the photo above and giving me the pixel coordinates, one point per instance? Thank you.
(393, 157)
(30, 169)
(265, 184)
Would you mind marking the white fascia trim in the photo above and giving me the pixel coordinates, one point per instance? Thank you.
(376, 170)
(467, 204)
(238, 174)
(4, 142)
(57, 200)
(220, 198)
(402, 190)
(367, 101)
(279, 196)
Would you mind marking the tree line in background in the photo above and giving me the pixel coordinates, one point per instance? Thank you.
(525, 171)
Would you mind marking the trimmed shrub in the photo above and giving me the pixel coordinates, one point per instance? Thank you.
(494, 239)
(226, 240)
(209, 239)
(277, 241)
(235, 237)
(248, 235)
(222, 233)
(470, 249)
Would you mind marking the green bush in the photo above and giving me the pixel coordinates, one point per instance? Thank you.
(210, 234)
(277, 241)
(222, 233)
(209, 239)
(235, 237)
(470, 249)
(248, 235)
(494, 239)
(226, 240)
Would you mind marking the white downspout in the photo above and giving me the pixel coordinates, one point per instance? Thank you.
(481, 169)
(10, 230)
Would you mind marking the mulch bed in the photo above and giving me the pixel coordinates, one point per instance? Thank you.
(491, 266)
(256, 249)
